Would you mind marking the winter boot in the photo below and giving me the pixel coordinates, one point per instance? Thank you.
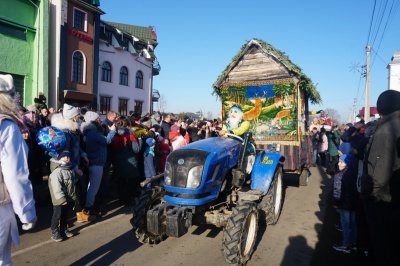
(84, 217)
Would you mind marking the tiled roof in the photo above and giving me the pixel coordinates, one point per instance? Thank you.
(372, 111)
(140, 32)
(119, 32)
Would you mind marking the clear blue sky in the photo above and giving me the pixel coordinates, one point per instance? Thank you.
(198, 39)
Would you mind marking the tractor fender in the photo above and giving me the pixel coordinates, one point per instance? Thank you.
(264, 168)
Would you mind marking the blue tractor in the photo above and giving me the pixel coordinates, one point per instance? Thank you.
(219, 181)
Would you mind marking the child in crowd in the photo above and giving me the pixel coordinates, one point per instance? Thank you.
(149, 167)
(62, 191)
(344, 194)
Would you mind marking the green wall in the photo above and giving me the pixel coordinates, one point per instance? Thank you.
(28, 57)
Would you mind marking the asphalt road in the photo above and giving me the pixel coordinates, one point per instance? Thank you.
(303, 235)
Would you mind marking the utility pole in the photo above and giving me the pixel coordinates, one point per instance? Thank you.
(366, 108)
(354, 114)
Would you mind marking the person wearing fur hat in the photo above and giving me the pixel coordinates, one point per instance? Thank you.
(96, 149)
(380, 186)
(16, 195)
(345, 198)
(67, 121)
(62, 190)
(126, 148)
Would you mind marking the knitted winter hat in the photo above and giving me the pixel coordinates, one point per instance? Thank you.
(91, 116)
(69, 111)
(388, 102)
(6, 83)
(63, 154)
(348, 159)
(150, 142)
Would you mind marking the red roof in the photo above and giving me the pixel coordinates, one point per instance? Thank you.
(372, 111)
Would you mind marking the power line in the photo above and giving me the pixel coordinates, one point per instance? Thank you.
(389, 18)
(381, 15)
(370, 25)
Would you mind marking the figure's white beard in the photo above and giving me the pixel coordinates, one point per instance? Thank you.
(234, 122)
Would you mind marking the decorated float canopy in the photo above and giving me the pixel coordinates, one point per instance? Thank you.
(272, 92)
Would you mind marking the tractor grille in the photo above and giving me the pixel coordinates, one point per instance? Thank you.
(180, 162)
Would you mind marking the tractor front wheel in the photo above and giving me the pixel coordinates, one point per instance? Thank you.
(149, 198)
(240, 234)
(271, 204)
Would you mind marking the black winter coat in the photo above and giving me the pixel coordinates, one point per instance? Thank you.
(381, 178)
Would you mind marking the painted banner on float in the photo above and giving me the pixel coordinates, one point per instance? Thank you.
(271, 108)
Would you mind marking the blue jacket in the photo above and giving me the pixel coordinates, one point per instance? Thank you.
(149, 167)
(96, 144)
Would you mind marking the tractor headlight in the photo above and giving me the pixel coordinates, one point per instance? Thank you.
(168, 175)
(194, 177)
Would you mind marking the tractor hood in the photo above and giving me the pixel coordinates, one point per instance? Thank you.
(194, 173)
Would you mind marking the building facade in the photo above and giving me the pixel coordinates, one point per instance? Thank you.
(24, 46)
(60, 48)
(127, 66)
(394, 72)
(74, 50)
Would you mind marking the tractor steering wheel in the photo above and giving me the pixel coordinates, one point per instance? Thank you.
(233, 136)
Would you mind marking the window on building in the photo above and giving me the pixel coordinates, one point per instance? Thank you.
(106, 72)
(126, 41)
(13, 31)
(123, 76)
(109, 36)
(80, 19)
(105, 104)
(138, 107)
(123, 107)
(78, 67)
(139, 80)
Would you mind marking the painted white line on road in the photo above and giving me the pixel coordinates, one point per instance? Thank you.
(19, 252)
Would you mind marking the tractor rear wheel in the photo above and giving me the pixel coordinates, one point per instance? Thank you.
(240, 234)
(149, 198)
(271, 204)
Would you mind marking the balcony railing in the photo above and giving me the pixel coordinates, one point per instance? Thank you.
(156, 96)
(156, 68)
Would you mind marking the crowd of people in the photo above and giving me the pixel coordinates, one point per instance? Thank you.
(364, 161)
(124, 149)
